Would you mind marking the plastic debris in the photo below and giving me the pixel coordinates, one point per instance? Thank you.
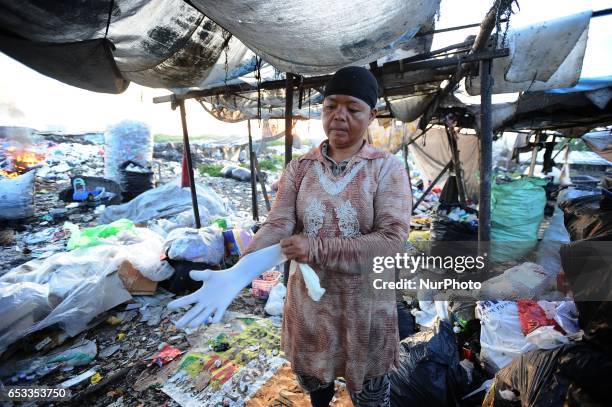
(276, 300)
(17, 196)
(204, 245)
(96, 378)
(96, 235)
(127, 140)
(166, 355)
(79, 379)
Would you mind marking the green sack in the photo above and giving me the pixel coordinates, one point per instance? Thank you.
(517, 208)
(95, 236)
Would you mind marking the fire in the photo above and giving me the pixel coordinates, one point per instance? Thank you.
(6, 174)
(19, 161)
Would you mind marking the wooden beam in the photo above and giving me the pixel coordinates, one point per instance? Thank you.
(288, 118)
(486, 157)
(318, 81)
(192, 186)
(254, 174)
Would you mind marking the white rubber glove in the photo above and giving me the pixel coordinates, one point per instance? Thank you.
(222, 286)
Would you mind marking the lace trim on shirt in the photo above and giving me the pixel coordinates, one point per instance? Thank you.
(347, 220)
(335, 187)
(313, 217)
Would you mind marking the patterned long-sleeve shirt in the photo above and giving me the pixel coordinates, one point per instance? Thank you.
(349, 219)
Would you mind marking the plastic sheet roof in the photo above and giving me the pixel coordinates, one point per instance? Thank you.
(203, 44)
(171, 44)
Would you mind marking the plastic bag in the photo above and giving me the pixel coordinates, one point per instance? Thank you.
(71, 288)
(204, 245)
(135, 179)
(517, 208)
(546, 337)
(429, 373)
(237, 241)
(128, 140)
(431, 311)
(165, 201)
(584, 219)
(276, 300)
(501, 337)
(95, 235)
(532, 316)
(548, 248)
(579, 373)
(241, 174)
(525, 281)
(17, 196)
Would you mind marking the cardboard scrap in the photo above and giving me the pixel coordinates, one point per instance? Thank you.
(135, 283)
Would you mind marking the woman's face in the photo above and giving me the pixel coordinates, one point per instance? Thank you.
(345, 120)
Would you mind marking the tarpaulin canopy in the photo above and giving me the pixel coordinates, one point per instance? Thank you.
(316, 36)
(157, 43)
(171, 44)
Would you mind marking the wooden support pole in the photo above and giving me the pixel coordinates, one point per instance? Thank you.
(486, 157)
(288, 118)
(288, 140)
(261, 182)
(253, 176)
(452, 142)
(405, 154)
(192, 186)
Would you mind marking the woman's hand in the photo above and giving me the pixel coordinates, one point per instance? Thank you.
(296, 248)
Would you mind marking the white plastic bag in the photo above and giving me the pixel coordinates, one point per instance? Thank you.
(430, 311)
(545, 337)
(167, 201)
(276, 300)
(71, 288)
(17, 196)
(501, 337)
(128, 140)
(204, 245)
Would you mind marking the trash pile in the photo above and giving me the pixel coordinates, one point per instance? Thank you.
(87, 281)
(83, 287)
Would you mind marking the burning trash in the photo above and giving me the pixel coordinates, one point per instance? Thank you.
(18, 159)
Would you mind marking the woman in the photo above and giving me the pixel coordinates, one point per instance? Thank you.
(338, 207)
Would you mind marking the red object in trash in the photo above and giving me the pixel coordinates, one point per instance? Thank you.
(532, 316)
(166, 355)
(261, 288)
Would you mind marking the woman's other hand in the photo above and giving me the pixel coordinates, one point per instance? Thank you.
(296, 248)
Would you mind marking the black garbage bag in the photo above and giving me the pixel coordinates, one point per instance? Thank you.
(180, 282)
(550, 377)
(450, 192)
(406, 323)
(586, 264)
(241, 174)
(446, 229)
(584, 217)
(452, 238)
(226, 171)
(429, 373)
(135, 179)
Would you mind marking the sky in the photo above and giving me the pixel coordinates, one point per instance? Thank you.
(30, 99)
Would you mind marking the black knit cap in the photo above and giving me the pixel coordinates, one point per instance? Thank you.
(354, 81)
